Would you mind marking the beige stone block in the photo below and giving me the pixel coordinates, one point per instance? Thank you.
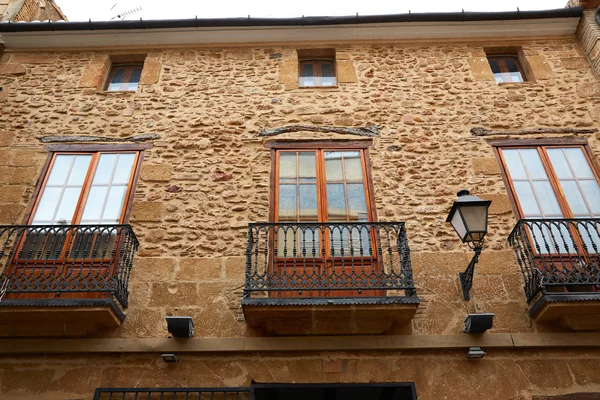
(24, 158)
(143, 322)
(25, 382)
(174, 294)
(150, 73)
(34, 58)
(556, 373)
(589, 89)
(575, 63)
(288, 72)
(488, 288)
(480, 68)
(238, 54)
(539, 67)
(346, 71)
(12, 69)
(235, 268)
(11, 194)
(585, 372)
(5, 156)
(439, 263)
(6, 138)
(93, 76)
(485, 166)
(500, 203)
(153, 269)
(5, 174)
(24, 175)
(199, 269)
(156, 172)
(146, 211)
(497, 262)
(10, 214)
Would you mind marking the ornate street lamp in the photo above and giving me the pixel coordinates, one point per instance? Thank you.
(469, 218)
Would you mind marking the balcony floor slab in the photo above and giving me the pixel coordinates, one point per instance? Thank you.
(571, 311)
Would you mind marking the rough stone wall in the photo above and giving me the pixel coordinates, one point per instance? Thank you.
(501, 375)
(208, 174)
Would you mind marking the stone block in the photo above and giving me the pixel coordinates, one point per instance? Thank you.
(485, 166)
(26, 381)
(24, 158)
(539, 67)
(146, 211)
(589, 89)
(585, 372)
(10, 214)
(153, 269)
(500, 203)
(26, 175)
(439, 263)
(34, 58)
(480, 68)
(150, 73)
(6, 138)
(199, 269)
(497, 262)
(94, 75)
(11, 194)
(12, 69)
(5, 157)
(156, 172)
(143, 322)
(555, 373)
(238, 54)
(575, 63)
(288, 73)
(235, 268)
(174, 294)
(346, 71)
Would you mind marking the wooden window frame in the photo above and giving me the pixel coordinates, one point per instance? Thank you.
(542, 143)
(317, 71)
(88, 149)
(129, 67)
(504, 68)
(361, 146)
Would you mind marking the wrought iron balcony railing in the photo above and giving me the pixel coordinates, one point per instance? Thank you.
(557, 253)
(42, 261)
(308, 260)
(173, 394)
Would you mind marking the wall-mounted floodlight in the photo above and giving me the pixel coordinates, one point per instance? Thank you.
(169, 358)
(180, 327)
(478, 323)
(475, 352)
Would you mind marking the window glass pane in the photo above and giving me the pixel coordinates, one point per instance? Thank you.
(336, 202)
(94, 203)
(124, 166)
(307, 167)
(117, 79)
(114, 204)
(353, 166)
(527, 199)
(104, 169)
(47, 205)
(494, 66)
(308, 203)
(579, 163)
(60, 170)
(559, 163)
(511, 65)
(307, 74)
(79, 171)
(287, 167)
(534, 164)
(591, 190)
(514, 164)
(357, 204)
(327, 74)
(135, 78)
(333, 166)
(574, 198)
(287, 202)
(66, 209)
(547, 198)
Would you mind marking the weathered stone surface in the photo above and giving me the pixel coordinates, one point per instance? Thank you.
(500, 203)
(485, 166)
(150, 73)
(346, 71)
(156, 172)
(480, 68)
(574, 63)
(174, 294)
(26, 175)
(10, 214)
(147, 211)
(11, 194)
(93, 76)
(154, 269)
(539, 67)
(6, 138)
(85, 139)
(34, 58)
(12, 69)
(200, 269)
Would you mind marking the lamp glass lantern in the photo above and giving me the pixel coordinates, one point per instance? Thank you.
(469, 217)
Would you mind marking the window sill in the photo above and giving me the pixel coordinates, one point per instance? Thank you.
(319, 87)
(117, 92)
(509, 85)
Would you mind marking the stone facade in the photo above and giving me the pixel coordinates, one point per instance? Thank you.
(207, 176)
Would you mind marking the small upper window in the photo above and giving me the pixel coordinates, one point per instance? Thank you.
(317, 73)
(124, 77)
(506, 69)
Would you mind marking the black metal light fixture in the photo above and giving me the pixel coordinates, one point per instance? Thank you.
(469, 218)
(478, 323)
(475, 352)
(180, 327)
(169, 358)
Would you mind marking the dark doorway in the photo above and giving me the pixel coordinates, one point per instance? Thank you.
(366, 391)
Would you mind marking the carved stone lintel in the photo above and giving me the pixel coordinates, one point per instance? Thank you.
(369, 131)
(479, 131)
(86, 139)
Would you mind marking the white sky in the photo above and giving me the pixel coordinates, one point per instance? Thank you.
(99, 10)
